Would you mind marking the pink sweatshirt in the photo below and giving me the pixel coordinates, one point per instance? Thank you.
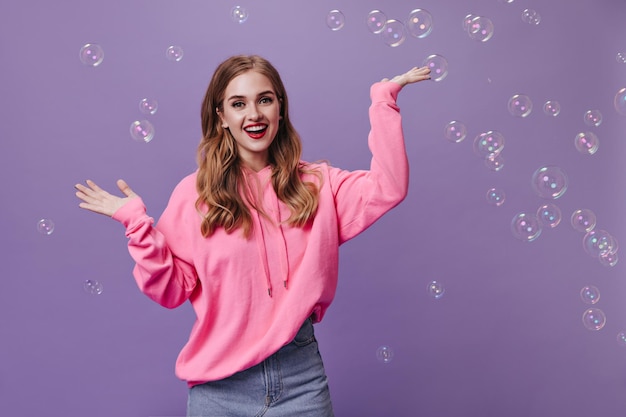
(228, 279)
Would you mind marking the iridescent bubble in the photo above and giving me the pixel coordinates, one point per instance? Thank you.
(621, 338)
(495, 197)
(586, 143)
(594, 319)
(419, 23)
(142, 131)
(488, 143)
(583, 220)
(549, 182)
(549, 215)
(393, 34)
(45, 226)
(91, 54)
(506, 1)
(494, 162)
(593, 118)
(92, 287)
(480, 29)
(438, 66)
(525, 227)
(520, 105)
(239, 14)
(436, 289)
(376, 21)
(621, 57)
(598, 242)
(620, 101)
(174, 53)
(552, 108)
(531, 17)
(384, 354)
(335, 20)
(590, 294)
(608, 259)
(467, 20)
(148, 106)
(455, 131)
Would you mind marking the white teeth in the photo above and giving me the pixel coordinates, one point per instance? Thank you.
(257, 128)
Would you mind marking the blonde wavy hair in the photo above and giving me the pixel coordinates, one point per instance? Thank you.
(220, 178)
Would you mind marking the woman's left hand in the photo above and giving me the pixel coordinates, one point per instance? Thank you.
(413, 75)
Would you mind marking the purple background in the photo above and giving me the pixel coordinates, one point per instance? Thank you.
(506, 338)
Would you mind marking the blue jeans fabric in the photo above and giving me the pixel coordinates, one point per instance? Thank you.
(291, 382)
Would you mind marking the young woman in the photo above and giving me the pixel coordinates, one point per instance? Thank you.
(251, 240)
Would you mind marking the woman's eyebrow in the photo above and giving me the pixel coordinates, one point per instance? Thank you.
(239, 97)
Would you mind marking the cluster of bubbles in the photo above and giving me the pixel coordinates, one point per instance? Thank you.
(143, 130)
(594, 318)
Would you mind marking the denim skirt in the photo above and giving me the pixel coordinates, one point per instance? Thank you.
(291, 382)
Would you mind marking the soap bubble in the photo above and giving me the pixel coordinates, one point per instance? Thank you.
(419, 23)
(92, 287)
(45, 226)
(621, 57)
(455, 131)
(593, 118)
(376, 21)
(531, 17)
(583, 220)
(598, 242)
(549, 215)
(488, 143)
(494, 162)
(393, 34)
(608, 259)
(549, 182)
(148, 106)
(480, 29)
(621, 338)
(142, 131)
(590, 294)
(174, 53)
(506, 1)
(594, 319)
(239, 14)
(525, 227)
(586, 143)
(384, 354)
(91, 54)
(436, 289)
(620, 101)
(520, 105)
(495, 197)
(467, 20)
(335, 20)
(438, 67)
(552, 108)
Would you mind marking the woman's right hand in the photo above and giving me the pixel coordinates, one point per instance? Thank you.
(99, 201)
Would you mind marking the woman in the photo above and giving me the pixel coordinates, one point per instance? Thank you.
(251, 240)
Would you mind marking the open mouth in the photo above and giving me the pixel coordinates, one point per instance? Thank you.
(256, 131)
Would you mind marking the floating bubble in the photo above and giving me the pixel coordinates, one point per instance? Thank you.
(455, 131)
(92, 287)
(621, 57)
(376, 21)
(520, 105)
(148, 106)
(608, 259)
(239, 14)
(531, 17)
(586, 143)
(436, 289)
(620, 101)
(45, 226)
(438, 66)
(583, 220)
(549, 215)
(594, 319)
(394, 33)
(91, 54)
(525, 227)
(467, 20)
(495, 197)
(552, 108)
(598, 242)
(480, 29)
(384, 354)
(488, 143)
(419, 23)
(494, 162)
(506, 1)
(142, 131)
(593, 118)
(590, 294)
(335, 20)
(549, 182)
(621, 338)
(174, 53)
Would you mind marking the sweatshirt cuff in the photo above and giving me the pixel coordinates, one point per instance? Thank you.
(385, 91)
(130, 212)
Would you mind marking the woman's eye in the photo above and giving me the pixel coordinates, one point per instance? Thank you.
(265, 100)
(238, 104)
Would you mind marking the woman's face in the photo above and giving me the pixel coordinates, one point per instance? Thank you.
(251, 111)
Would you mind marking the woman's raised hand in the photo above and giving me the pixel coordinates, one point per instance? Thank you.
(413, 75)
(99, 201)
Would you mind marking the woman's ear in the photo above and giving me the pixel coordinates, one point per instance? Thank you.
(219, 113)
